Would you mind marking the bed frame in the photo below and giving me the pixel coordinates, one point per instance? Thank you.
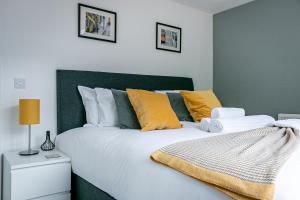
(71, 113)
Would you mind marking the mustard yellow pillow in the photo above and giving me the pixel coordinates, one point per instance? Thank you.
(153, 110)
(200, 103)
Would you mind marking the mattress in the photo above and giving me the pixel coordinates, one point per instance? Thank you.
(118, 162)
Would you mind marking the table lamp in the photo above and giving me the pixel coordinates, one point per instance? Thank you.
(29, 114)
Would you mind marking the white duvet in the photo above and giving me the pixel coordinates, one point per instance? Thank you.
(118, 162)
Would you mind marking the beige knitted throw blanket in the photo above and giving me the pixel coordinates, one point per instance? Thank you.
(242, 165)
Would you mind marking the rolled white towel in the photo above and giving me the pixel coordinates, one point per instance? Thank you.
(204, 124)
(288, 123)
(222, 112)
(240, 123)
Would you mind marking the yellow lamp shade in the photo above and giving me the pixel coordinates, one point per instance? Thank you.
(29, 111)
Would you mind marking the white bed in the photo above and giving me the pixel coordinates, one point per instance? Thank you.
(118, 162)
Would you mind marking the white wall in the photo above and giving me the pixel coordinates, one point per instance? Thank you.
(39, 36)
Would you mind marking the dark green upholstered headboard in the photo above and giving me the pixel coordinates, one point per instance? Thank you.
(70, 110)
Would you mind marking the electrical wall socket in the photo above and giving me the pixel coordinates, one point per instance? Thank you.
(20, 83)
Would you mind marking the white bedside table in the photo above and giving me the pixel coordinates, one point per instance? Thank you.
(36, 177)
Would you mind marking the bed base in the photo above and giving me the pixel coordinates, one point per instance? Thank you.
(83, 190)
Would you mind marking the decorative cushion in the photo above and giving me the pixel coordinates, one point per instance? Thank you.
(108, 115)
(179, 107)
(200, 103)
(89, 100)
(153, 110)
(126, 114)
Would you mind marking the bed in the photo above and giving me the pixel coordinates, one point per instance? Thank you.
(110, 163)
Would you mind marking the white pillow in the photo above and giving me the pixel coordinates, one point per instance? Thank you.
(108, 115)
(89, 101)
(167, 91)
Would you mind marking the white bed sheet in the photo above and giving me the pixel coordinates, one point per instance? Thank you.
(118, 162)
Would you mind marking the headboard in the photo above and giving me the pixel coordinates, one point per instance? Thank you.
(70, 110)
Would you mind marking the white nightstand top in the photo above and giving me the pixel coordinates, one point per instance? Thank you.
(17, 162)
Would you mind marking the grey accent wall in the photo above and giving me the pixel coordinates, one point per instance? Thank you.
(257, 56)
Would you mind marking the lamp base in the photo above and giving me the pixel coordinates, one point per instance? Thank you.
(28, 152)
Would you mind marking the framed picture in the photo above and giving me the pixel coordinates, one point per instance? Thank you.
(168, 37)
(96, 23)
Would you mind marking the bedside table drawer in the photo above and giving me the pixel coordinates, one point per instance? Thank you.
(33, 182)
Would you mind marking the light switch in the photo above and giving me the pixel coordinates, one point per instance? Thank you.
(20, 83)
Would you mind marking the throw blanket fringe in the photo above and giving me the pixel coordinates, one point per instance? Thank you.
(242, 165)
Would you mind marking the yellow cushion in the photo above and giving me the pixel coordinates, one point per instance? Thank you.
(200, 103)
(153, 110)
